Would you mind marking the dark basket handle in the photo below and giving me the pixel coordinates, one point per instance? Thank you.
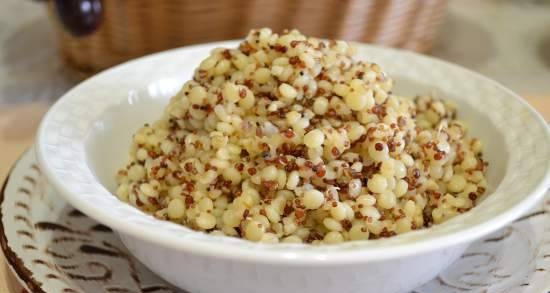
(79, 17)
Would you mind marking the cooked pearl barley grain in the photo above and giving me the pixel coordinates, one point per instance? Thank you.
(313, 199)
(288, 139)
(314, 138)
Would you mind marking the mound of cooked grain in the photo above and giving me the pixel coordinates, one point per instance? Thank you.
(287, 138)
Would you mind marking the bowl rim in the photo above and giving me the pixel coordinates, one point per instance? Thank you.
(288, 253)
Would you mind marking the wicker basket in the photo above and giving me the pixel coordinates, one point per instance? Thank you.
(132, 28)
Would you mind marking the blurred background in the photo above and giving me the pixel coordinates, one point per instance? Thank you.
(48, 46)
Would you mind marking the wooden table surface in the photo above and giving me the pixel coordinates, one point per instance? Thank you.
(18, 124)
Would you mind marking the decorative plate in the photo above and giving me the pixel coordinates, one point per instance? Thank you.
(52, 247)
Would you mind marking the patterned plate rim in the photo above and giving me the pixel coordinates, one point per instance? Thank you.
(15, 263)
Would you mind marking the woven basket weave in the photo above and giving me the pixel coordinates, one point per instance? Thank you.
(132, 28)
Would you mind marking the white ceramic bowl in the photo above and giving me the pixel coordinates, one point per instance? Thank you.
(85, 137)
